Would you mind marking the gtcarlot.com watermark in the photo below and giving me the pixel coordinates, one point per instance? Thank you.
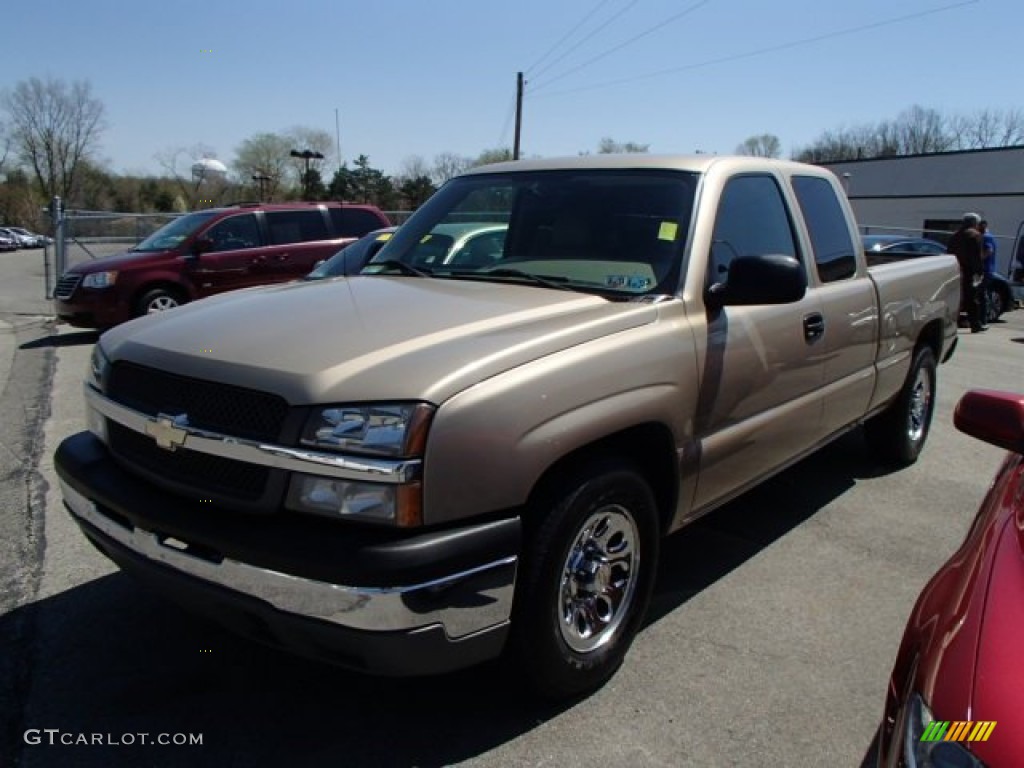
(55, 737)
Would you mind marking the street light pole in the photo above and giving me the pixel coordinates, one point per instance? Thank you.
(307, 155)
(262, 179)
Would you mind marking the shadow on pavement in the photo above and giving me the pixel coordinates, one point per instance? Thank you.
(108, 657)
(63, 340)
(705, 551)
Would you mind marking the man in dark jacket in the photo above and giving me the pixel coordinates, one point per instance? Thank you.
(966, 245)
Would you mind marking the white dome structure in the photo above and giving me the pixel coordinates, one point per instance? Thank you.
(208, 168)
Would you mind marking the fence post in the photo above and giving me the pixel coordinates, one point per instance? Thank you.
(59, 246)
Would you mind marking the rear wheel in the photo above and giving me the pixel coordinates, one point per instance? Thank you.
(995, 304)
(157, 300)
(897, 435)
(588, 572)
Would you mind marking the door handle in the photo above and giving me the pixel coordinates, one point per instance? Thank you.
(814, 326)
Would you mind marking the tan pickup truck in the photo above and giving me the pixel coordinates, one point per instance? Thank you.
(462, 454)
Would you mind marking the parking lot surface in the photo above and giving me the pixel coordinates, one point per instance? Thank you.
(773, 629)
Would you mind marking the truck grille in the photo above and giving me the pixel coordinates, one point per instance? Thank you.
(203, 473)
(215, 407)
(66, 286)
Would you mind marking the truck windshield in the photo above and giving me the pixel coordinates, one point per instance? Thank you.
(605, 231)
(173, 234)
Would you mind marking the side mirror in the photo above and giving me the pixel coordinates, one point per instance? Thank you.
(766, 279)
(993, 417)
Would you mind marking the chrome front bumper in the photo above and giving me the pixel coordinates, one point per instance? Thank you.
(463, 603)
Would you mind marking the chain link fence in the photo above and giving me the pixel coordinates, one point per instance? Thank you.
(84, 235)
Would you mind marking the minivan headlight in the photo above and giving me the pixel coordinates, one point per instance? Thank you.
(388, 429)
(99, 279)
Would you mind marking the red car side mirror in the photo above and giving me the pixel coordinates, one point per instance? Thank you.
(993, 417)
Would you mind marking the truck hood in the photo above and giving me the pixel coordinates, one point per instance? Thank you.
(369, 338)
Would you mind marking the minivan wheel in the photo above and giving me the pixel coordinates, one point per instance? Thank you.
(157, 300)
(588, 573)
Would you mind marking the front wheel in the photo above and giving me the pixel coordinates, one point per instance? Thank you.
(157, 300)
(588, 573)
(897, 435)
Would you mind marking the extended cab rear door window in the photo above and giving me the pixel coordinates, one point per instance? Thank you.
(834, 255)
(296, 226)
(752, 220)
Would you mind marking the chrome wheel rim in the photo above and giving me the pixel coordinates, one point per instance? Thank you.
(995, 306)
(160, 304)
(599, 579)
(920, 403)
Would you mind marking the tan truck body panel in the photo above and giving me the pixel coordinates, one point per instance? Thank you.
(531, 388)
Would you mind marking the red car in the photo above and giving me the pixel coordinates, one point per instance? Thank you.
(955, 697)
(208, 252)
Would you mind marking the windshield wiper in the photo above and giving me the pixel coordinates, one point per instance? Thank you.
(401, 266)
(549, 281)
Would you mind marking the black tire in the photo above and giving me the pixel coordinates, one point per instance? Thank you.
(995, 305)
(898, 434)
(607, 510)
(157, 300)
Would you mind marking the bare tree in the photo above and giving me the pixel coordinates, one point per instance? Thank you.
(5, 147)
(922, 130)
(263, 161)
(177, 163)
(53, 128)
(413, 167)
(496, 155)
(447, 165)
(302, 137)
(608, 146)
(764, 145)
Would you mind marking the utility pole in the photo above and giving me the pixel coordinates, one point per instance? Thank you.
(519, 114)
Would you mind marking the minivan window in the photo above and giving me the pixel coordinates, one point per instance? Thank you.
(354, 222)
(173, 234)
(235, 232)
(296, 226)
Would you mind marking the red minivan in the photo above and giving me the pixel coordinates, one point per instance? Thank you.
(208, 252)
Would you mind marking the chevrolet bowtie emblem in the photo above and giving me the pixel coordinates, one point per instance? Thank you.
(167, 431)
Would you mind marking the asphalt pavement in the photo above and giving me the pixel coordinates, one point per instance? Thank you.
(773, 629)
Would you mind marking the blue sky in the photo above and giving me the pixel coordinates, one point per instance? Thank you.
(421, 77)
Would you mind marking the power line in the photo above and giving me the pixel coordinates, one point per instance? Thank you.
(657, 27)
(585, 39)
(590, 14)
(761, 51)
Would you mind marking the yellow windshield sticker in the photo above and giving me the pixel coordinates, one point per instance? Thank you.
(425, 238)
(668, 231)
(384, 236)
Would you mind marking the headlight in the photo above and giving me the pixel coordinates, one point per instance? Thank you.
(98, 367)
(398, 429)
(925, 747)
(99, 279)
(391, 504)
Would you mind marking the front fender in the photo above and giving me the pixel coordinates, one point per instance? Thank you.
(490, 444)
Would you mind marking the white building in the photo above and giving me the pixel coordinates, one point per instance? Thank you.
(926, 195)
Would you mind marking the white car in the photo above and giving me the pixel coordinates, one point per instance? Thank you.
(27, 239)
